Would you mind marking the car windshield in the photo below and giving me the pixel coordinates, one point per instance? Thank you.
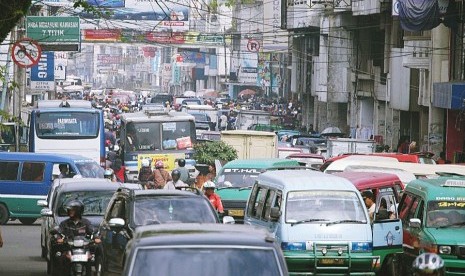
(232, 261)
(325, 204)
(172, 209)
(445, 213)
(237, 178)
(95, 202)
(90, 169)
(199, 117)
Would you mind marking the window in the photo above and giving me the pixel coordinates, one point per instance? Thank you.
(404, 206)
(386, 204)
(257, 202)
(9, 170)
(117, 210)
(268, 204)
(33, 171)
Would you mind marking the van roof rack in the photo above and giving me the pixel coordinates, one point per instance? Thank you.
(59, 103)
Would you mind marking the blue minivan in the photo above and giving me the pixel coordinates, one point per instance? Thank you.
(26, 177)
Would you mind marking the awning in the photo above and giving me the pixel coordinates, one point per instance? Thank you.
(449, 95)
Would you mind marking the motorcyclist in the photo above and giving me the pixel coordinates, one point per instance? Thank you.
(145, 173)
(110, 174)
(176, 183)
(215, 200)
(183, 170)
(430, 264)
(160, 175)
(75, 224)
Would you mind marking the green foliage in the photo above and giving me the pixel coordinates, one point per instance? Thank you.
(11, 85)
(208, 152)
(10, 14)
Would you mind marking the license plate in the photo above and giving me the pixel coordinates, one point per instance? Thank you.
(79, 258)
(236, 213)
(332, 261)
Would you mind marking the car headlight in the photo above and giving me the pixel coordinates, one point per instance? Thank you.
(445, 249)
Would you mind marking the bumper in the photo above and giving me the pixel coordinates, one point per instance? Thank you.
(454, 267)
(308, 263)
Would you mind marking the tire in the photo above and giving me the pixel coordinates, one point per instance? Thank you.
(27, 221)
(4, 214)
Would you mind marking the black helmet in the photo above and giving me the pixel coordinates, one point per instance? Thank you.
(428, 264)
(176, 172)
(181, 162)
(76, 205)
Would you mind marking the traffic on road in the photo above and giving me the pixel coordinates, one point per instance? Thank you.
(260, 198)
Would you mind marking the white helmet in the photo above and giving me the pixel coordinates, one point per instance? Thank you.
(209, 184)
(145, 163)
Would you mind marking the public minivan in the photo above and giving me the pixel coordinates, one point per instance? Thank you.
(387, 234)
(26, 177)
(236, 178)
(433, 219)
(319, 219)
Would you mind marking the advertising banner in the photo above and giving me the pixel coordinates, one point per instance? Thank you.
(42, 75)
(102, 35)
(145, 14)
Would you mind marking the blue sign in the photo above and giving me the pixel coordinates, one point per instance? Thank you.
(106, 3)
(45, 69)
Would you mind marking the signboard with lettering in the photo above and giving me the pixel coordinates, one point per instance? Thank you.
(54, 31)
(42, 75)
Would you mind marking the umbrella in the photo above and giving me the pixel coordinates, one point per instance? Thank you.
(247, 92)
(211, 94)
(332, 131)
(189, 93)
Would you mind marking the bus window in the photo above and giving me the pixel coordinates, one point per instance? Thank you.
(32, 171)
(174, 132)
(143, 136)
(54, 125)
(9, 170)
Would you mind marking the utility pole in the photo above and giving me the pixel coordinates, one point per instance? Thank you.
(225, 61)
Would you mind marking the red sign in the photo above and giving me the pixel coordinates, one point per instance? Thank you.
(253, 45)
(26, 53)
(102, 35)
(165, 37)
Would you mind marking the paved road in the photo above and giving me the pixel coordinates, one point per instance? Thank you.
(20, 254)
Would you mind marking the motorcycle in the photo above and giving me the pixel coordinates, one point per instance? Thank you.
(75, 256)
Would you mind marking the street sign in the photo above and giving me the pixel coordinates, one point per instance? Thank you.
(43, 74)
(26, 52)
(253, 45)
(57, 33)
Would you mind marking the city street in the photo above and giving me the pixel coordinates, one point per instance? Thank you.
(20, 254)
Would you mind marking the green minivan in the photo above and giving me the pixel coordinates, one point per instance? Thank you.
(433, 220)
(235, 180)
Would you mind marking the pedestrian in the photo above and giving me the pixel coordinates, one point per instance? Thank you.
(160, 175)
(404, 147)
(223, 122)
(1, 238)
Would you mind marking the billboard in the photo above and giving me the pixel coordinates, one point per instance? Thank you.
(42, 75)
(144, 14)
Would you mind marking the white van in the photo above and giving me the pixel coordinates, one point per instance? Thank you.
(320, 221)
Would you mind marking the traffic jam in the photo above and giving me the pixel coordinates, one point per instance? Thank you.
(128, 183)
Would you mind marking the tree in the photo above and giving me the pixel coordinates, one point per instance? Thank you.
(208, 152)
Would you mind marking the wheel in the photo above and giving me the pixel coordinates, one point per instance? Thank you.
(4, 214)
(27, 221)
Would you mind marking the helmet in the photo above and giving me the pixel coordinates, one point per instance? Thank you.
(75, 204)
(145, 163)
(108, 173)
(428, 264)
(176, 172)
(209, 184)
(181, 162)
(159, 164)
(117, 117)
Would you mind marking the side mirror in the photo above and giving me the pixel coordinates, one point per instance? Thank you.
(42, 203)
(228, 220)
(275, 213)
(116, 223)
(46, 212)
(415, 223)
